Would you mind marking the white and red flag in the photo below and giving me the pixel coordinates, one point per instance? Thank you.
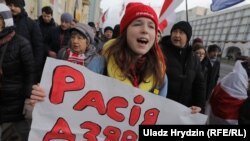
(104, 17)
(227, 97)
(167, 14)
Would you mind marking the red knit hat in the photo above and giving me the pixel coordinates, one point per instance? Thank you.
(135, 10)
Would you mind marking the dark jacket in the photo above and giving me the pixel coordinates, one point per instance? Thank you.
(46, 27)
(17, 79)
(213, 74)
(54, 42)
(186, 81)
(30, 30)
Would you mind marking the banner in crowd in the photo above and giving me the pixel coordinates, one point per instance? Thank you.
(223, 4)
(167, 15)
(83, 105)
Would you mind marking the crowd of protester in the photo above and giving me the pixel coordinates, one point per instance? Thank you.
(134, 52)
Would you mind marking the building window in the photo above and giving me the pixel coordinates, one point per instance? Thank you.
(198, 22)
(231, 37)
(227, 23)
(238, 14)
(221, 18)
(209, 20)
(225, 30)
(218, 31)
(202, 26)
(215, 18)
(206, 32)
(212, 31)
(201, 32)
(220, 24)
(213, 25)
(217, 37)
(248, 37)
(240, 37)
(207, 26)
(210, 37)
(246, 12)
(229, 16)
(242, 29)
(233, 30)
(245, 20)
(223, 37)
(235, 22)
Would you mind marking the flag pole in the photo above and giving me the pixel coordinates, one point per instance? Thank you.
(187, 10)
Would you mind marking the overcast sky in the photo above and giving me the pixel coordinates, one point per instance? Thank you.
(158, 3)
(115, 6)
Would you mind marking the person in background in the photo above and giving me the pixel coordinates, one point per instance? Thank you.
(200, 51)
(30, 30)
(97, 41)
(244, 114)
(159, 35)
(59, 36)
(186, 80)
(213, 66)
(197, 41)
(16, 79)
(108, 33)
(81, 50)
(46, 23)
(116, 32)
(229, 95)
(74, 22)
(134, 58)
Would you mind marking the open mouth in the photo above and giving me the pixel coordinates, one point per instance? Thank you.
(142, 40)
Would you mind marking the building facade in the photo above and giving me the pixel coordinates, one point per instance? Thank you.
(94, 11)
(78, 8)
(230, 29)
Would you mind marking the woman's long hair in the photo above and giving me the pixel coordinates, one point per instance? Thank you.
(154, 63)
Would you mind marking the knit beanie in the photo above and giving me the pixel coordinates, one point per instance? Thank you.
(135, 10)
(7, 15)
(85, 30)
(198, 40)
(66, 17)
(184, 26)
(18, 3)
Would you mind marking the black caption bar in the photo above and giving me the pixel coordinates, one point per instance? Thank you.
(185, 132)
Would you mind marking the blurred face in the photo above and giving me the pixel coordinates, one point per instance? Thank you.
(141, 35)
(158, 36)
(200, 53)
(1, 23)
(179, 38)
(213, 54)
(15, 10)
(108, 34)
(65, 25)
(79, 43)
(46, 17)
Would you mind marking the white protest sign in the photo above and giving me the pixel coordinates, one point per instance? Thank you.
(83, 105)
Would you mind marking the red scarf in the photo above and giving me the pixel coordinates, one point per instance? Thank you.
(135, 70)
(75, 57)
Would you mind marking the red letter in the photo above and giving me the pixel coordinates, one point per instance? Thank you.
(151, 116)
(129, 136)
(93, 99)
(61, 85)
(113, 104)
(136, 110)
(60, 130)
(94, 130)
(112, 133)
